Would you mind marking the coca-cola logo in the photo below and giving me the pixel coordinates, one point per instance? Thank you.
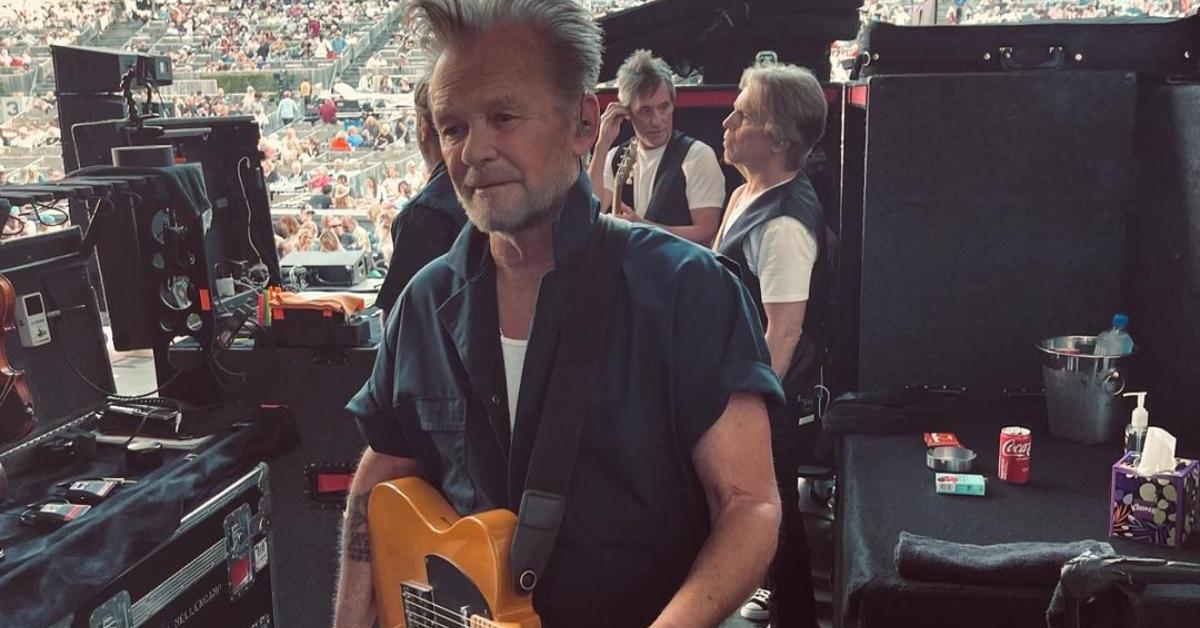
(1016, 448)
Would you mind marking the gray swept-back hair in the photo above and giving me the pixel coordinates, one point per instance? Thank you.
(791, 105)
(571, 38)
(429, 146)
(421, 96)
(640, 74)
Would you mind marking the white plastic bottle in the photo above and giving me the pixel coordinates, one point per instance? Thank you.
(1139, 423)
(1115, 341)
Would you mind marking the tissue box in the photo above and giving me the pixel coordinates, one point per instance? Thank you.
(1162, 509)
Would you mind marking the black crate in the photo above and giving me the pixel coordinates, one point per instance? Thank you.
(981, 212)
(1154, 48)
(315, 383)
(215, 570)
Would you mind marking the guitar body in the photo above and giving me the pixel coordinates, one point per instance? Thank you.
(431, 567)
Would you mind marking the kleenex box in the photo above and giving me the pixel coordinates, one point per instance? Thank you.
(1162, 509)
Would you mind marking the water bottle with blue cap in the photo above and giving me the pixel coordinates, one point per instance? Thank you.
(1115, 341)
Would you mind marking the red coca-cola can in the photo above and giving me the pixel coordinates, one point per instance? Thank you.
(1015, 443)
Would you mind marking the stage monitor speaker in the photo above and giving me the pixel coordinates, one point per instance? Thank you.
(83, 69)
(993, 215)
(1162, 279)
(87, 70)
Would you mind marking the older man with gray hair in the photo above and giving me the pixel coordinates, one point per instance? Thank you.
(677, 181)
(672, 511)
(774, 228)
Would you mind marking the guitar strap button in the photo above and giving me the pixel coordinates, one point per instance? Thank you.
(528, 580)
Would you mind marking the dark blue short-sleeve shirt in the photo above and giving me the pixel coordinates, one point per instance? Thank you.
(684, 335)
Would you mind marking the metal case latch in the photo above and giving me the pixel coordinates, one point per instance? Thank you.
(239, 556)
(115, 613)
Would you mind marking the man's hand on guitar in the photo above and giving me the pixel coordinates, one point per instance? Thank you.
(626, 212)
(610, 124)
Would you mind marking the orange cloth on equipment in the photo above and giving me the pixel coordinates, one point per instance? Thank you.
(348, 304)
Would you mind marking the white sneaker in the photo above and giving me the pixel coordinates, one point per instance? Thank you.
(756, 608)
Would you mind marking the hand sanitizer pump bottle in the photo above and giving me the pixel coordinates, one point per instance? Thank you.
(1139, 422)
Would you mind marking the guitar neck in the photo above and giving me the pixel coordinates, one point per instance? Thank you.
(482, 622)
(627, 156)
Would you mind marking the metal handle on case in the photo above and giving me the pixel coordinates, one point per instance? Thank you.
(1114, 378)
(1055, 60)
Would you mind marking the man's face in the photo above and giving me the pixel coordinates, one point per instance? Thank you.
(746, 141)
(653, 116)
(510, 149)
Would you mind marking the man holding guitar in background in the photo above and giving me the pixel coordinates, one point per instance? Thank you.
(669, 513)
(677, 182)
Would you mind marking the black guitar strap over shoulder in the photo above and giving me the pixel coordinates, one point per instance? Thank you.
(572, 381)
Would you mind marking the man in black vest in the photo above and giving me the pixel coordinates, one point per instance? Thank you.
(677, 181)
(774, 229)
(428, 224)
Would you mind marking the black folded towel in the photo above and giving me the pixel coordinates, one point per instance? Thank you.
(1005, 564)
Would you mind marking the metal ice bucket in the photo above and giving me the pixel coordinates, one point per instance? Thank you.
(1083, 390)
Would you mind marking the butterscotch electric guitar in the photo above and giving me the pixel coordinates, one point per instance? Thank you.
(434, 569)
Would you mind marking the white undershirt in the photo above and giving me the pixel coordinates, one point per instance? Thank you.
(781, 252)
(704, 180)
(514, 363)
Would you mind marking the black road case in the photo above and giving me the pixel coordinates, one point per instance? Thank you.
(215, 570)
(315, 383)
(1148, 46)
(981, 212)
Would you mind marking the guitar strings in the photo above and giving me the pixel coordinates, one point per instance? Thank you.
(434, 607)
(457, 620)
(421, 622)
(441, 612)
(418, 621)
(431, 615)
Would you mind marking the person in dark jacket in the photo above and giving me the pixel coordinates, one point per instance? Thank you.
(673, 513)
(428, 224)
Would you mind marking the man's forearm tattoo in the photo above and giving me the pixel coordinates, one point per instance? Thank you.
(358, 540)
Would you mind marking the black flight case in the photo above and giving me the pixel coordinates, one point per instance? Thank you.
(1151, 47)
(213, 571)
(208, 565)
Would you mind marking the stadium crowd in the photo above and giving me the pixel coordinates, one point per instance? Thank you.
(244, 36)
(903, 12)
(26, 24)
(321, 155)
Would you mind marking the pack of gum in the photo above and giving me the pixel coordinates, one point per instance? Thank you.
(961, 484)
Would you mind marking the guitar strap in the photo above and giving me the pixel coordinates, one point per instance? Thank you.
(577, 366)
